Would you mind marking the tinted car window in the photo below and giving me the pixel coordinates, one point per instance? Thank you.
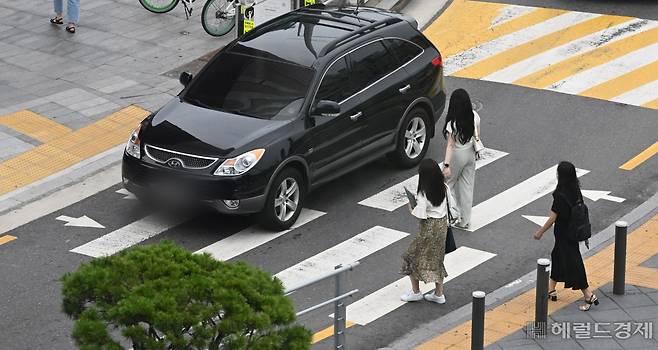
(403, 50)
(251, 86)
(297, 40)
(371, 62)
(335, 84)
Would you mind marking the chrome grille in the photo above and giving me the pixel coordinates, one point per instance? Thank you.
(188, 161)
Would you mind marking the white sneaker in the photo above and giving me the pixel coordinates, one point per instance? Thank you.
(435, 298)
(411, 296)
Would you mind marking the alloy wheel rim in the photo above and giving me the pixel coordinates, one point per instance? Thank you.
(287, 199)
(415, 136)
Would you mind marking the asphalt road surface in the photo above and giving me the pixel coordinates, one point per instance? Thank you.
(359, 217)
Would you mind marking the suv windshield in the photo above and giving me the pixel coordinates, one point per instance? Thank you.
(251, 86)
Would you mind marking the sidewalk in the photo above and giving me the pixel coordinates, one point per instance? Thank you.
(65, 98)
(619, 322)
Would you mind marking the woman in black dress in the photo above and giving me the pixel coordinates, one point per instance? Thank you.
(566, 262)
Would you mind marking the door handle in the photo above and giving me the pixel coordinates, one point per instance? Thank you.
(356, 117)
(404, 89)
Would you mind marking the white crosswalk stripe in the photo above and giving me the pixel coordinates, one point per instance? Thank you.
(351, 250)
(480, 52)
(129, 235)
(639, 96)
(253, 237)
(584, 80)
(587, 43)
(516, 197)
(387, 299)
(394, 197)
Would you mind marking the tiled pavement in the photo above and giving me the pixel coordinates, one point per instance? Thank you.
(603, 327)
(116, 59)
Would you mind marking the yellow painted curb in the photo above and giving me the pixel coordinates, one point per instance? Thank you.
(513, 315)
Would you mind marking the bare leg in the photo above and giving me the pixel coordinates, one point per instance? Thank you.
(439, 289)
(551, 284)
(415, 285)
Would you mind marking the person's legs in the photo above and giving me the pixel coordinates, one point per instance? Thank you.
(464, 187)
(415, 285)
(551, 284)
(73, 11)
(58, 5)
(439, 288)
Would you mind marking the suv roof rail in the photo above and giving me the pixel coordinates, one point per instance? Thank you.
(338, 41)
(323, 9)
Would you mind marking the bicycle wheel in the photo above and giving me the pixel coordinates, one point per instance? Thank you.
(218, 17)
(159, 6)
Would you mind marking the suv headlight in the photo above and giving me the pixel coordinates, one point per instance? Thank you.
(240, 164)
(133, 145)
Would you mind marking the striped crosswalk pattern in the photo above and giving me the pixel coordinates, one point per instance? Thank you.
(606, 57)
(376, 240)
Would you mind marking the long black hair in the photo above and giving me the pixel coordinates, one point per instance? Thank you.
(460, 114)
(431, 181)
(567, 181)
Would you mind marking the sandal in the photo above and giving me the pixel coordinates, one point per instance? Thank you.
(592, 300)
(552, 295)
(57, 20)
(70, 28)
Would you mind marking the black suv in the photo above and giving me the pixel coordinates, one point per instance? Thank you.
(296, 102)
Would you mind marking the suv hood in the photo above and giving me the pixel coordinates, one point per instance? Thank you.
(183, 127)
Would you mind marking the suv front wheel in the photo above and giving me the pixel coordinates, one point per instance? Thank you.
(284, 201)
(413, 139)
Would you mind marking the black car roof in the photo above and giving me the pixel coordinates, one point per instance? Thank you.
(307, 34)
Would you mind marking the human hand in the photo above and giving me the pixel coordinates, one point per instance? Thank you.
(446, 172)
(537, 235)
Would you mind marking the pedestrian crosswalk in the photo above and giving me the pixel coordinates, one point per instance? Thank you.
(600, 56)
(301, 266)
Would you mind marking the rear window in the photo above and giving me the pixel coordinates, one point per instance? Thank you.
(298, 40)
(251, 86)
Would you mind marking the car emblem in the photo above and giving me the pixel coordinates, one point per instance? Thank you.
(174, 163)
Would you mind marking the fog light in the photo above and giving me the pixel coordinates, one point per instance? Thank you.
(231, 203)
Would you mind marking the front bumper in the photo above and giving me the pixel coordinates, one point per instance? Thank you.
(179, 188)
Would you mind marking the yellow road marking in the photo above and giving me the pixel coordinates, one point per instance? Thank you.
(34, 125)
(466, 24)
(587, 60)
(640, 158)
(68, 149)
(624, 83)
(532, 48)
(6, 239)
(328, 332)
(512, 316)
(653, 104)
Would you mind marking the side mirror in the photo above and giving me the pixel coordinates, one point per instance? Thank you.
(185, 78)
(327, 109)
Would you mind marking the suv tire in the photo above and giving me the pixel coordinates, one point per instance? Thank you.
(413, 131)
(287, 192)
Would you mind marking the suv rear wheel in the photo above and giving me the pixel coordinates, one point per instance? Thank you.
(413, 139)
(284, 201)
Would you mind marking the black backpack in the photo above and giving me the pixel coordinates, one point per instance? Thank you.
(579, 228)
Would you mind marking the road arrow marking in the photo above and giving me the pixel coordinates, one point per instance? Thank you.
(596, 195)
(126, 193)
(516, 198)
(539, 220)
(83, 221)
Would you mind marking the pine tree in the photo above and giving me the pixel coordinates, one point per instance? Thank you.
(163, 297)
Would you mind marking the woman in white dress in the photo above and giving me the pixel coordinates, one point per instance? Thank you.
(462, 123)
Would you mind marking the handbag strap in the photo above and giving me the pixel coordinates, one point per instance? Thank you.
(448, 202)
